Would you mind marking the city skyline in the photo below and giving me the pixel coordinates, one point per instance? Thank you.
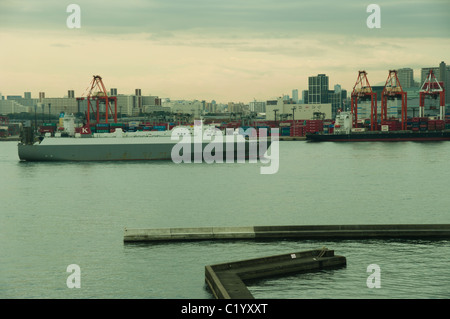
(205, 50)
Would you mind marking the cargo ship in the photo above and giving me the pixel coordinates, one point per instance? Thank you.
(123, 146)
(421, 130)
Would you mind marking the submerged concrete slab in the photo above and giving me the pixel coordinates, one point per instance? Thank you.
(302, 232)
(226, 281)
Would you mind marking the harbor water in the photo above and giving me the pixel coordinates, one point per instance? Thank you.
(53, 215)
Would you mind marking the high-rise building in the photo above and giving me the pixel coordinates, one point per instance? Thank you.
(406, 77)
(235, 107)
(295, 96)
(442, 72)
(71, 94)
(258, 107)
(138, 99)
(27, 95)
(41, 96)
(318, 89)
(318, 93)
(113, 92)
(337, 98)
(305, 96)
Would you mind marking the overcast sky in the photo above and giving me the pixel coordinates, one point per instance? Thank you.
(226, 50)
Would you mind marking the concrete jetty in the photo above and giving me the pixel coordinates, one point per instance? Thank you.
(292, 138)
(294, 232)
(226, 281)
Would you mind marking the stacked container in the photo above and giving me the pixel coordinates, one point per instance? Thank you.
(313, 126)
(285, 131)
(431, 125)
(47, 128)
(423, 123)
(298, 130)
(114, 126)
(409, 125)
(159, 127)
(415, 124)
(447, 121)
(436, 125)
(102, 128)
(440, 125)
(267, 128)
(393, 125)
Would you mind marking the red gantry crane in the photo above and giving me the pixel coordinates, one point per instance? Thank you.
(432, 87)
(391, 90)
(97, 93)
(362, 91)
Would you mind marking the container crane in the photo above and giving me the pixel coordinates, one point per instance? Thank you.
(391, 90)
(363, 91)
(97, 93)
(432, 87)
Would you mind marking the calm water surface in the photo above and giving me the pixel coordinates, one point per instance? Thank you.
(56, 214)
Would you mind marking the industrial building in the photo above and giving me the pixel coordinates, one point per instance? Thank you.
(287, 111)
(132, 105)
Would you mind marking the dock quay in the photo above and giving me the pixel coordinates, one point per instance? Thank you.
(293, 232)
(10, 138)
(226, 280)
(292, 138)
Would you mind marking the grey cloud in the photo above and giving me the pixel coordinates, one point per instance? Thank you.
(215, 17)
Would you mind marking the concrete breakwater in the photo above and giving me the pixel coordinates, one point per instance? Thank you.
(226, 280)
(299, 232)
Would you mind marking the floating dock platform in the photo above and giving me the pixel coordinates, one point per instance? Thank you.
(226, 281)
(293, 232)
